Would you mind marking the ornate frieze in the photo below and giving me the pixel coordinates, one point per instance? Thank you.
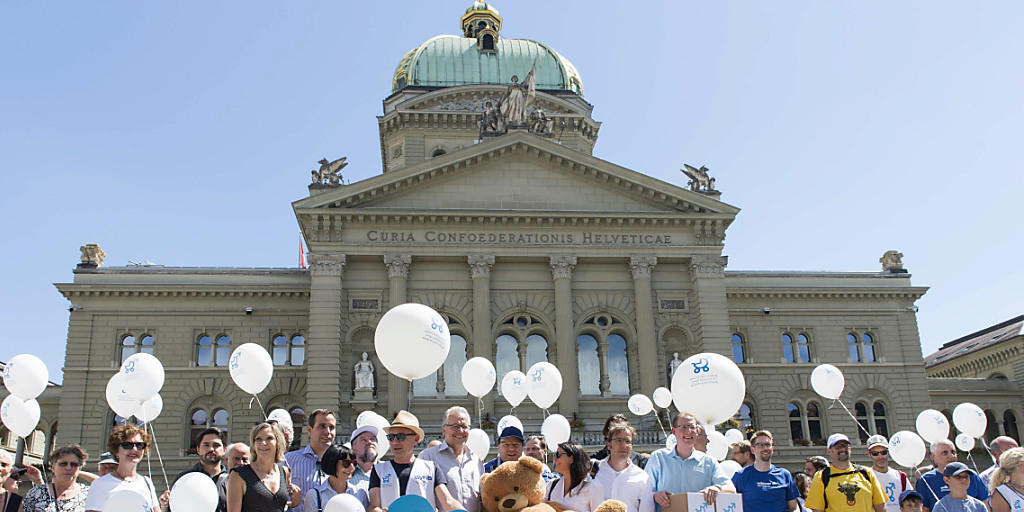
(642, 266)
(562, 266)
(706, 265)
(398, 264)
(480, 265)
(321, 264)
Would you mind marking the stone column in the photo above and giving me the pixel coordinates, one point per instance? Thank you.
(398, 275)
(561, 273)
(710, 307)
(642, 267)
(323, 346)
(483, 346)
(602, 356)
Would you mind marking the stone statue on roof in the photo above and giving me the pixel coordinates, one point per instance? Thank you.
(515, 103)
(892, 261)
(700, 180)
(329, 172)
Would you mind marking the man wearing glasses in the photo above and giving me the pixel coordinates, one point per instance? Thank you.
(618, 475)
(684, 469)
(210, 448)
(763, 485)
(460, 466)
(892, 481)
(844, 486)
(510, 448)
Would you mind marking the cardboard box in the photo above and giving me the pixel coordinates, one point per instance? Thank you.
(729, 503)
(694, 502)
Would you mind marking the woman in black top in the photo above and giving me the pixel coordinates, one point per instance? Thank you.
(9, 501)
(263, 486)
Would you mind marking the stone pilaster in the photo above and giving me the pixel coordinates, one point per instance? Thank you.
(642, 267)
(398, 275)
(480, 271)
(602, 356)
(561, 273)
(323, 345)
(709, 304)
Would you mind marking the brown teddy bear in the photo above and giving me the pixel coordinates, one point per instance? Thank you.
(518, 487)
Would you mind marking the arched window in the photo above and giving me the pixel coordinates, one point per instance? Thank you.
(507, 355)
(618, 368)
(788, 348)
(223, 349)
(589, 365)
(745, 416)
(851, 343)
(5, 436)
(861, 411)
(1010, 424)
(861, 347)
(129, 345)
(814, 423)
(202, 419)
(869, 347)
(881, 423)
(425, 387)
(796, 425)
(536, 351)
(488, 42)
(992, 428)
(737, 348)
(437, 152)
(209, 354)
(453, 367)
(289, 352)
(803, 342)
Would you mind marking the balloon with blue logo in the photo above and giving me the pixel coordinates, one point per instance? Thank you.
(970, 419)
(965, 442)
(478, 376)
(509, 421)
(709, 386)
(544, 383)
(19, 416)
(25, 376)
(828, 381)
(118, 398)
(906, 448)
(251, 368)
(410, 503)
(143, 376)
(514, 388)
(639, 404)
(412, 341)
(932, 425)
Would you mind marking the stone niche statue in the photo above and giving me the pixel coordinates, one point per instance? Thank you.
(673, 365)
(364, 374)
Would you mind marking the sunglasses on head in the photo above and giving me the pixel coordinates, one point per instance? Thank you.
(398, 437)
(879, 452)
(128, 445)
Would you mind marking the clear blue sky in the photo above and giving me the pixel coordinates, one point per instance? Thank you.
(180, 132)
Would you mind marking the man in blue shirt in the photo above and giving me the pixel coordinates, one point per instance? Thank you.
(931, 484)
(510, 448)
(764, 486)
(684, 469)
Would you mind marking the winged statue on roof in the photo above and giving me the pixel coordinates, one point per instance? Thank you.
(700, 180)
(515, 103)
(329, 172)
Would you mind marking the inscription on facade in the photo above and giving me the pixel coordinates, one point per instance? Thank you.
(528, 238)
(672, 305)
(365, 304)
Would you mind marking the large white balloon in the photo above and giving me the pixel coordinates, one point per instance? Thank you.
(513, 387)
(544, 382)
(970, 419)
(194, 492)
(662, 397)
(364, 418)
(478, 376)
(556, 430)
(509, 421)
(25, 376)
(344, 503)
(639, 404)
(19, 416)
(251, 368)
(412, 341)
(143, 376)
(932, 425)
(281, 416)
(730, 467)
(718, 447)
(733, 436)
(126, 500)
(148, 411)
(710, 386)
(828, 381)
(965, 442)
(117, 397)
(906, 448)
(479, 443)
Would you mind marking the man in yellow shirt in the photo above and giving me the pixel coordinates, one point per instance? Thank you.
(844, 486)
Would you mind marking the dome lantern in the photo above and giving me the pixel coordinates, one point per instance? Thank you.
(483, 23)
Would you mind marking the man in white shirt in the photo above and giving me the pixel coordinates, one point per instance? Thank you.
(619, 476)
(892, 481)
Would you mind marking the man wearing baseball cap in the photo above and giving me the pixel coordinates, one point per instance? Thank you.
(893, 481)
(510, 448)
(364, 446)
(957, 477)
(844, 486)
(932, 485)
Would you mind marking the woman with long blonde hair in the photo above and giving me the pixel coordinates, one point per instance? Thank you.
(263, 485)
(1008, 482)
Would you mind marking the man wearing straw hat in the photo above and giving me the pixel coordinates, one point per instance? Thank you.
(406, 474)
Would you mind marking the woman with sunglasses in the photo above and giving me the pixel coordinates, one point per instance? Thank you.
(338, 463)
(63, 494)
(128, 443)
(9, 500)
(574, 489)
(263, 485)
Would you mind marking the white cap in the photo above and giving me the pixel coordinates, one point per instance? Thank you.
(877, 440)
(835, 438)
(363, 429)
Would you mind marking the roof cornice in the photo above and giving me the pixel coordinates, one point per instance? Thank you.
(75, 290)
(910, 292)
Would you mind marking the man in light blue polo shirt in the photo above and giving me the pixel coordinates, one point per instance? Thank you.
(684, 469)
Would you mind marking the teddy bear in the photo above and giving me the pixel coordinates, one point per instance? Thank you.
(518, 487)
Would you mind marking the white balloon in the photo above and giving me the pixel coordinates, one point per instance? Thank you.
(251, 368)
(412, 341)
(478, 376)
(555, 430)
(544, 382)
(194, 492)
(710, 386)
(143, 376)
(26, 376)
(19, 416)
(117, 397)
(932, 425)
(662, 397)
(479, 443)
(730, 467)
(670, 442)
(344, 503)
(639, 404)
(965, 442)
(509, 421)
(126, 500)
(970, 419)
(284, 421)
(513, 387)
(828, 381)
(364, 418)
(733, 436)
(718, 447)
(148, 411)
(906, 448)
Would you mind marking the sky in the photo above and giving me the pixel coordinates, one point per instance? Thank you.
(180, 132)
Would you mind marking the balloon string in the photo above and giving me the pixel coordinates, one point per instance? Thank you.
(159, 458)
(928, 485)
(975, 464)
(984, 444)
(855, 420)
(657, 416)
(480, 412)
(266, 415)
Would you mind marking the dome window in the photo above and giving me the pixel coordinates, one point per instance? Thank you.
(487, 43)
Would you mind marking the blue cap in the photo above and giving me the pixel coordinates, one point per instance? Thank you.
(955, 468)
(909, 493)
(511, 432)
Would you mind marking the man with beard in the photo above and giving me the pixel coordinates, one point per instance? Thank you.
(305, 462)
(210, 448)
(459, 464)
(843, 486)
(364, 446)
(763, 485)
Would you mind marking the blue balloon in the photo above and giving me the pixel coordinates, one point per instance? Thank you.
(411, 503)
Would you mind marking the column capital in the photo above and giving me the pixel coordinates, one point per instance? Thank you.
(562, 266)
(642, 266)
(707, 265)
(398, 264)
(329, 264)
(480, 265)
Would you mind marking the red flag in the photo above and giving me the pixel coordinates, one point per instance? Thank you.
(302, 254)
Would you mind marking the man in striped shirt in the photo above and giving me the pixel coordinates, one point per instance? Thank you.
(305, 462)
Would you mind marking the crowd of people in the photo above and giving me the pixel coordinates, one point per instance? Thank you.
(261, 477)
